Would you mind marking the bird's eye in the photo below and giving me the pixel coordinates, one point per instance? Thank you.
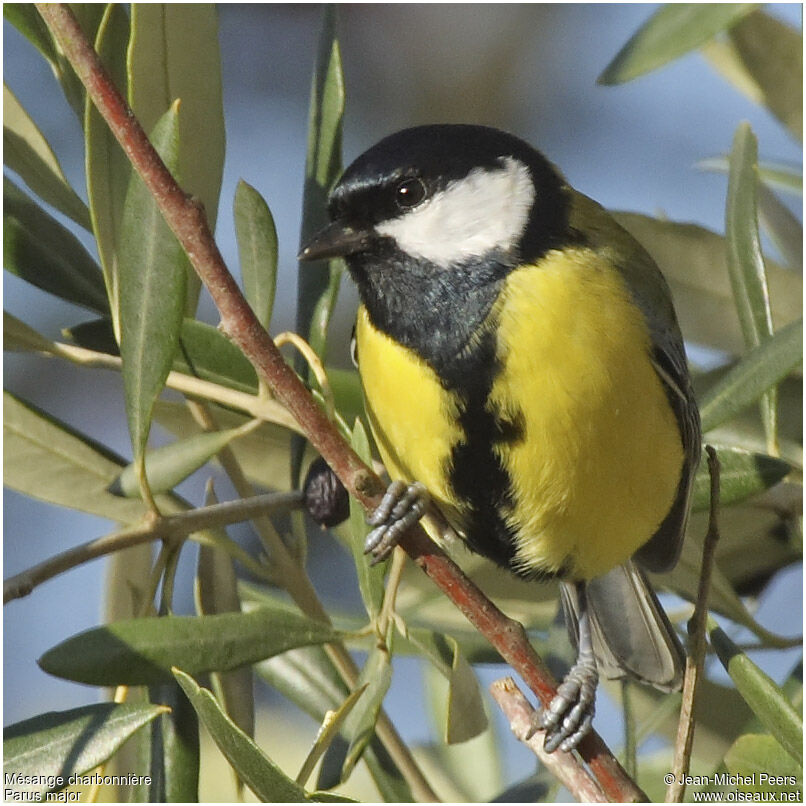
(409, 193)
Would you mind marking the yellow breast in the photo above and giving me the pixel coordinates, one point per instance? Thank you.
(600, 457)
(413, 418)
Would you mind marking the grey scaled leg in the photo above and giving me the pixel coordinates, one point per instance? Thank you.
(570, 714)
(402, 506)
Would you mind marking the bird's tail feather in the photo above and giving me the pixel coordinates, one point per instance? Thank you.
(632, 636)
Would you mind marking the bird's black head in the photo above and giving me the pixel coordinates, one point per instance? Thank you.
(448, 193)
(439, 214)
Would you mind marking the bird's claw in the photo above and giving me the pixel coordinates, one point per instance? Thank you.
(568, 717)
(402, 506)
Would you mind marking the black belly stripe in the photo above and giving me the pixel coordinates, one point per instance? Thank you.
(476, 474)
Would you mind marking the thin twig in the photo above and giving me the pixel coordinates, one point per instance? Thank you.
(519, 712)
(186, 218)
(695, 657)
(164, 528)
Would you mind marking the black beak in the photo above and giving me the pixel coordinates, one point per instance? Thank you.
(335, 240)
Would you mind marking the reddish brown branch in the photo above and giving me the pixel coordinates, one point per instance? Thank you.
(186, 218)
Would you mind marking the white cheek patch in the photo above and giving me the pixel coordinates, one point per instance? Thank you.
(485, 210)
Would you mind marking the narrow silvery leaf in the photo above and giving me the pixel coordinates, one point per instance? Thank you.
(253, 766)
(65, 743)
(257, 250)
(170, 464)
(318, 283)
(29, 155)
(742, 474)
(761, 693)
(759, 370)
(673, 30)
(107, 167)
(142, 651)
(748, 274)
(38, 249)
(216, 591)
(174, 55)
(153, 276)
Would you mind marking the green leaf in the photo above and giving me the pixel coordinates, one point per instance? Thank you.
(216, 591)
(785, 231)
(108, 169)
(174, 748)
(171, 464)
(44, 253)
(370, 577)
(359, 726)
(673, 30)
(772, 53)
(45, 459)
(760, 692)
(318, 282)
(327, 733)
(761, 759)
(346, 387)
(775, 175)
(759, 370)
(29, 155)
(153, 276)
(263, 454)
(19, 337)
(174, 54)
(253, 766)
(742, 474)
(65, 743)
(465, 716)
(474, 768)
(25, 18)
(694, 262)
(204, 351)
(745, 262)
(257, 250)
(142, 651)
(307, 678)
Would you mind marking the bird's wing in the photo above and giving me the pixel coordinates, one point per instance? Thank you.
(661, 552)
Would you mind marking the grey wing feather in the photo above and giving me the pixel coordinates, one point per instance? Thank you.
(632, 636)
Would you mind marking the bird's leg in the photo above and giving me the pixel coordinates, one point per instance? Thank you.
(568, 716)
(402, 506)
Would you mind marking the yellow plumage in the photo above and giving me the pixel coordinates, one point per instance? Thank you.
(600, 460)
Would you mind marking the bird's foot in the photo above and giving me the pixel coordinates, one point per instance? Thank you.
(569, 715)
(402, 506)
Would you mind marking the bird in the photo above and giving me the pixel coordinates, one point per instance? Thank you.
(523, 371)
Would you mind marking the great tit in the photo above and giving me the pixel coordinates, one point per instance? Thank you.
(523, 368)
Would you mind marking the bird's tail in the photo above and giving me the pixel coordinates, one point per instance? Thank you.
(632, 636)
